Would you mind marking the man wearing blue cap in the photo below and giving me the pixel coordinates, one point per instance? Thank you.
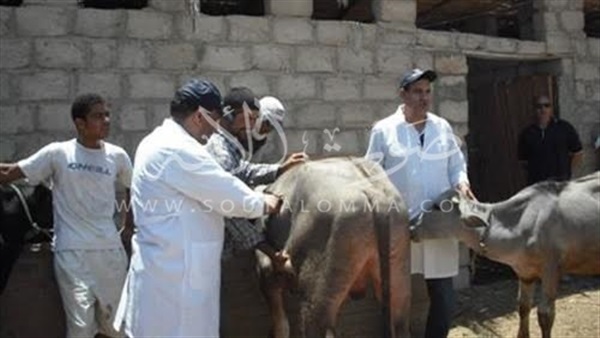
(421, 156)
(179, 197)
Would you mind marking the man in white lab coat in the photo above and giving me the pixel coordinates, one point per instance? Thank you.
(421, 156)
(179, 197)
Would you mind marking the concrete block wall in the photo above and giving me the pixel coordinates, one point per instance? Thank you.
(329, 74)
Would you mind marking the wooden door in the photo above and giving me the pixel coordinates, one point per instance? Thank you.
(498, 111)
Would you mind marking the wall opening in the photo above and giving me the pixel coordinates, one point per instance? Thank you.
(501, 18)
(591, 11)
(11, 3)
(113, 4)
(501, 103)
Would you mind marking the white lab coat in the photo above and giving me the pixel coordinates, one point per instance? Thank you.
(179, 197)
(421, 174)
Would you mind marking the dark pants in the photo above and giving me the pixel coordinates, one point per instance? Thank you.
(441, 307)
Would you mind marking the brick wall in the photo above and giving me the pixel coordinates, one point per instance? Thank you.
(329, 74)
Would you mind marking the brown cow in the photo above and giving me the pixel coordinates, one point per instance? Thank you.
(340, 216)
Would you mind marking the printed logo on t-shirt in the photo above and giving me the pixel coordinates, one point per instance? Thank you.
(89, 168)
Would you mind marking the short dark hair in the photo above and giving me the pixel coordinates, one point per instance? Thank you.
(83, 105)
(233, 102)
(182, 107)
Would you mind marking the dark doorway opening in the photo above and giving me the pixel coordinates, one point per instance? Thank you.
(501, 96)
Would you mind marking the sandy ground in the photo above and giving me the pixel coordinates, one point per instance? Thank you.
(490, 310)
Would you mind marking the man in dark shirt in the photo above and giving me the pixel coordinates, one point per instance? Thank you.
(549, 148)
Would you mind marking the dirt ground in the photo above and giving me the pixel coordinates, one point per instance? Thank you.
(490, 310)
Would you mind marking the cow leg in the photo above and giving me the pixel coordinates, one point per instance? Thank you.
(550, 279)
(526, 289)
(272, 289)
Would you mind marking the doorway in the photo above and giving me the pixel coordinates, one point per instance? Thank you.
(501, 96)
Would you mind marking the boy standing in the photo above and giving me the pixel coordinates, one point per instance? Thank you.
(89, 260)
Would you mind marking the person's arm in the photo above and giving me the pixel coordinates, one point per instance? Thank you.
(575, 146)
(197, 175)
(375, 150)
(10, 172)
(124, 174)
(37, 167)
(457, 167)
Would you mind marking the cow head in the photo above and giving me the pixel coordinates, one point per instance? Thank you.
(472, 213)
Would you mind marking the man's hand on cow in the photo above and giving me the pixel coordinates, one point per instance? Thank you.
(294, 159)
(465, 190)
(272, 204)
(126, 234)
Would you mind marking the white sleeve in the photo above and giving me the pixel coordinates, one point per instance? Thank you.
(39, 166)
(125, 169)
(375, 149)
(199, 176)
(457, 167)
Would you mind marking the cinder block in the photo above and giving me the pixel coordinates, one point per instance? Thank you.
(206, 28)
(248, 28)
(55, 117)
(14, 53)
(377, 88)
(44, 85)
(175, 56)
(355, 61)
(334, 33)
(60, 53)
(272, 57)
(340, 89)
(292, 31)
(149, 25)
(133, 54)
(314, 115)
(296, 87)
(132, 117)
(394, 60)
(257, 82)
(43, 21)
(315, 59)
(16, 119)
(104, 53)
(105, 84)
(451, 64)
(99, 23)
(157, 86)
(225, 58)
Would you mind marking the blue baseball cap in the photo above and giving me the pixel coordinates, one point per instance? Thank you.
(201, 93)
(415, 75)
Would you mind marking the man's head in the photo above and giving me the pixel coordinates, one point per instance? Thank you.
(415, 90)
(197, 106)
(271, 111)
(543, 109)
(240, 111)
(91, 116)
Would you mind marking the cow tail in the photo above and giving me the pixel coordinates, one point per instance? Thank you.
(382, 230)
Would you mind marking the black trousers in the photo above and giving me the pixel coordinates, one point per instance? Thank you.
(441, 307)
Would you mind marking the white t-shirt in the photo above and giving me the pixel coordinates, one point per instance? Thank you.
(83, 191)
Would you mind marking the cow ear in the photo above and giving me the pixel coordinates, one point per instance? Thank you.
(474, 222)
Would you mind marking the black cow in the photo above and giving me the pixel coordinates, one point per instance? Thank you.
(24, 212)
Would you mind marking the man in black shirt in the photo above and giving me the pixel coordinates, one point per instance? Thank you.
(549, 148)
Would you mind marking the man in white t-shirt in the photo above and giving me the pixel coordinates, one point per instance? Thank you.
(89, 260)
